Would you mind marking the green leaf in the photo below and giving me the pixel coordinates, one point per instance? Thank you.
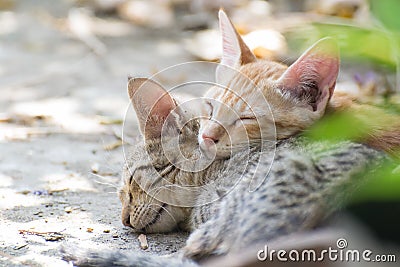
(382, 185)
(355, 43)
(387, 11)
(340, 126)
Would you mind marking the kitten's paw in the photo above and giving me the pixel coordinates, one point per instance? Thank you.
(74, 253)
(197, 250)
(203, 243)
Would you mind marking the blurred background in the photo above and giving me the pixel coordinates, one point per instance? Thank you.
(63, 71)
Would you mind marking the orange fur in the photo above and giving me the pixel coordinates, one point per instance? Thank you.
(382, 128)
(260, 99)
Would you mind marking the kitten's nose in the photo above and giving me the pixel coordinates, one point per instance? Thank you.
(127, 221)
(209, 139)
(126, 217)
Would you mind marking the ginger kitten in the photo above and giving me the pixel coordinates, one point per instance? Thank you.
(258, 100)
(264, 100)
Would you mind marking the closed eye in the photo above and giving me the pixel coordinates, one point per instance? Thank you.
(245, 119)
(248, 118)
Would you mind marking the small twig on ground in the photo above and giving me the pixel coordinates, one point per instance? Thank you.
(113, 145)
(48, 236)
(143, 241)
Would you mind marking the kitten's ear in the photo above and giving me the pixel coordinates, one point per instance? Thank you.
(152, 104)
(312, 78)
(234, 51)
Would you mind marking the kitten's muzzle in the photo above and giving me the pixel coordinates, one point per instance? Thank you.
(208, 147)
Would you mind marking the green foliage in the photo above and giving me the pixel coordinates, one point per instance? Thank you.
(355, 43)
(362, 43)
(387, 11)
(377, 44)
(341, 126)
(381, 185)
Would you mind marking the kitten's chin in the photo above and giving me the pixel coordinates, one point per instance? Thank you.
(208, 151)
(164, 222)
(160, 227)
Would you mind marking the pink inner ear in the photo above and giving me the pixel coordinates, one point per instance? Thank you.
(230, 45)
(230, 48)
(152, 104)
(160, 102)
(316, 69)
(234, 51)
(150, 96)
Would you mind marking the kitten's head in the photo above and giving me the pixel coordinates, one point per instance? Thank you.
(258, 99)
(169, 137)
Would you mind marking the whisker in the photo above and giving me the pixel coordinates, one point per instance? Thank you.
(154, 197)
(168, 212)
(107, 156)
(109, 184)
(105, 177)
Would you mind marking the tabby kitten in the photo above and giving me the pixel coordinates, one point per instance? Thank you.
(306, 182)
(260, 99)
